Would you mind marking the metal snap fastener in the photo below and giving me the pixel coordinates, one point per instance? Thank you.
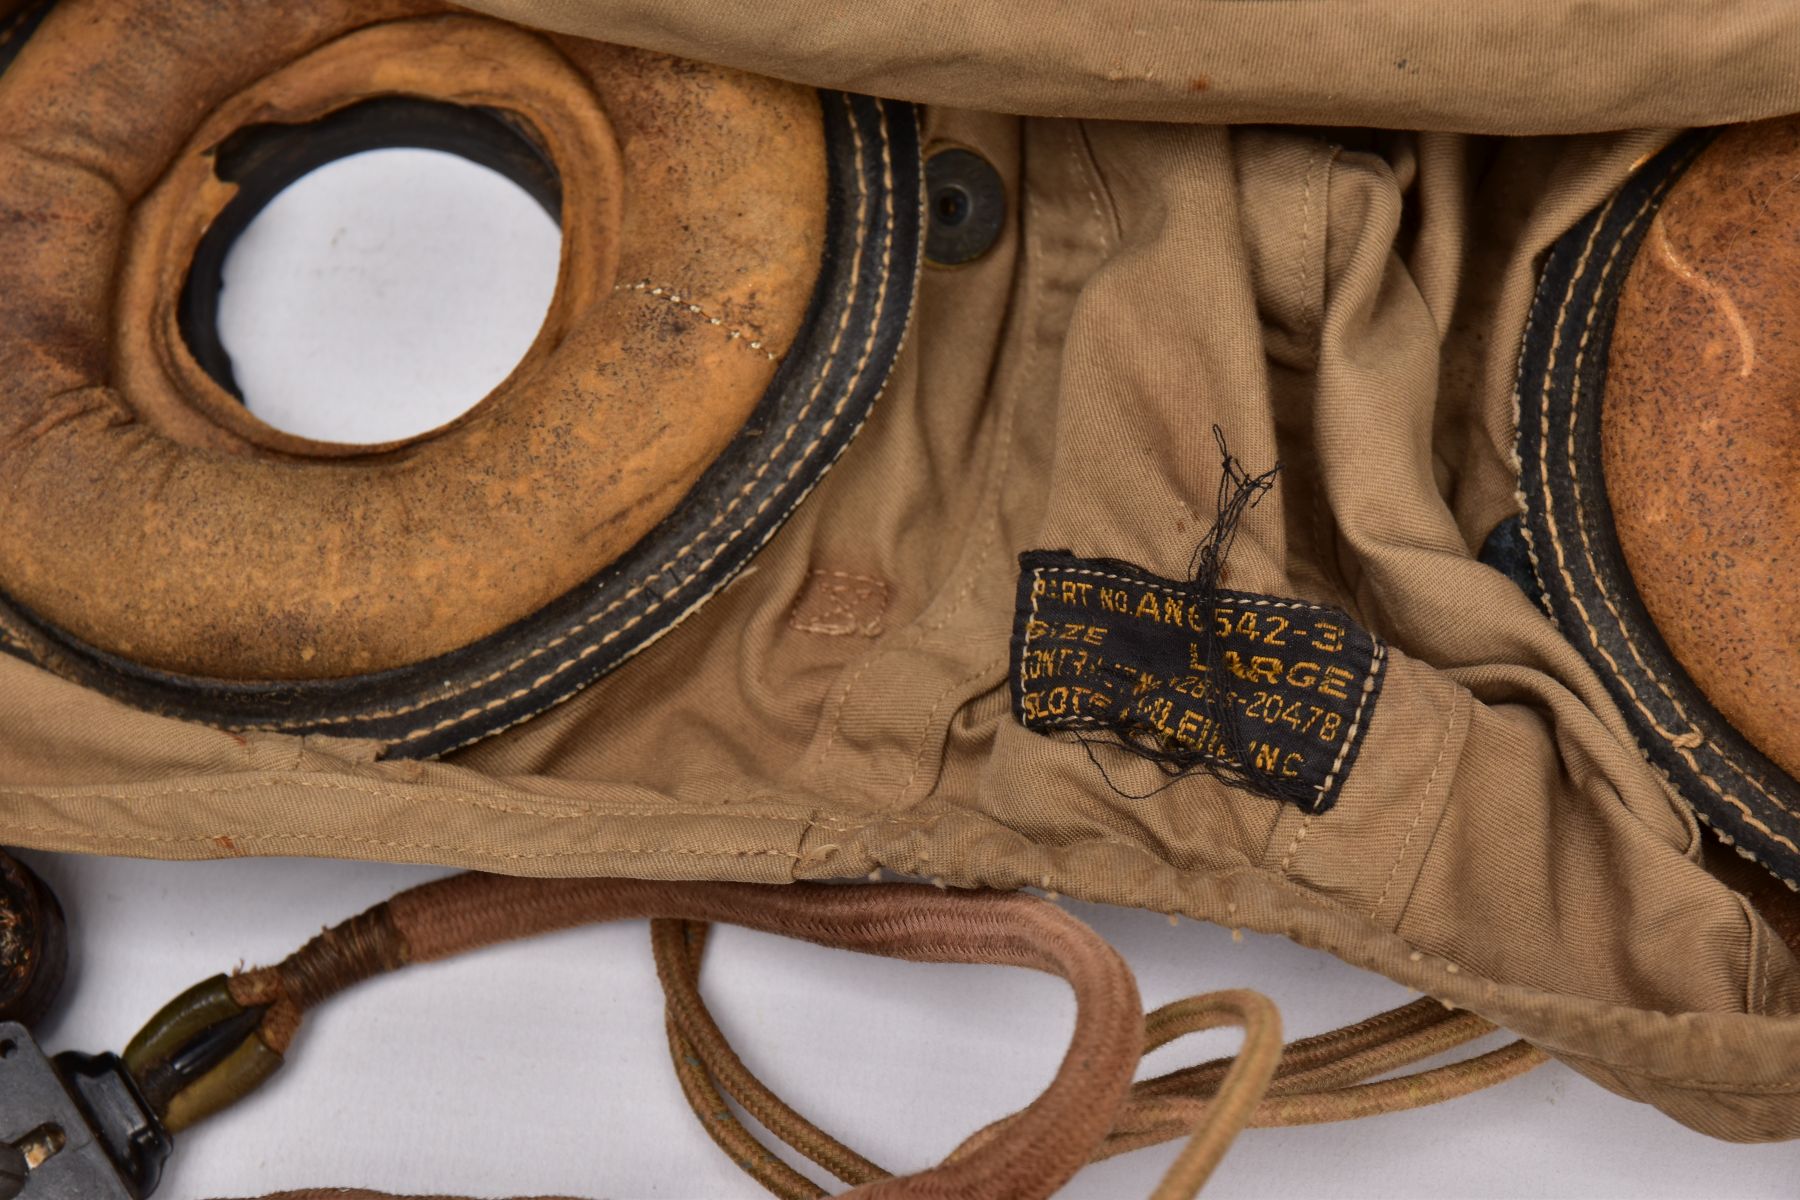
(967, 203)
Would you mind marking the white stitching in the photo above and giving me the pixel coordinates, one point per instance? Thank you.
(1678, 742)
(737, 500)
(670, 296)
(1461, 702)
(1350, 735)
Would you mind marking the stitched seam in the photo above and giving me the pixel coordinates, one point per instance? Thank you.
(871, 580)
(1006, 420)
(1095, 184)
(724, 514)
(1362, 704)
(838, 615)
(1309, 314)
(1298, 891)
(838, 622)
(1679, 741)
(1324, 904)
(1675, 741)
(1759, 962)
(849, 626)
(1768, 977)
(1520, 499)
(1576, 480)
(1731, 841)
(1754, 1089)
(1556, 339)
(1308, 898)
(86, 835)
(646, 289)
(13, 636)
(1462, 701)
(1287, 860)
(787, 436)
(425, 793)
(998, 665)
(887, 255)
(837, 724)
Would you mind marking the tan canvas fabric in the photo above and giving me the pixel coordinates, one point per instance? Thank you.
(1349, 302)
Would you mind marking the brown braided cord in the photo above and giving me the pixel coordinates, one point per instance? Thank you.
(1171, 1118)
(1407, 1039)
(1317, 1079)
(361, 948)
(739, 1144)
(1244, 1084)
(1089, 1111)
(1151, 1117)
(678, 946)
(702, 1056)
(1409, 1034)
(1048, 1142)
(1241, 1080)
(1309, 1068)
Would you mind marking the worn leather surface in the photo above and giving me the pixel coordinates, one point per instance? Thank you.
(1655, 501)
(172, 528)
(736, 276)
(1701, 435)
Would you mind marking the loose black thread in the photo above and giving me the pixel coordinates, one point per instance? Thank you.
(1238, 493)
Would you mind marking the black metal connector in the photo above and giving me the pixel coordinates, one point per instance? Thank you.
(74, 1127)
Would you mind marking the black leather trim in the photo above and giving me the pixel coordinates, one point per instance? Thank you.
(818, 400)
(15, 32)
(1574, 551)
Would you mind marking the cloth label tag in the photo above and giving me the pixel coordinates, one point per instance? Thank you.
(1274, 694)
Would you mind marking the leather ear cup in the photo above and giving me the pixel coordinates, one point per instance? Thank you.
(1700, 434)
(1658, 446)
(738, 268)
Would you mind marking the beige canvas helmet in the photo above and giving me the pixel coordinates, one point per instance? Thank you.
(1006, 641)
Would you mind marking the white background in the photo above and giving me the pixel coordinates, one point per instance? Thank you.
(383, 295)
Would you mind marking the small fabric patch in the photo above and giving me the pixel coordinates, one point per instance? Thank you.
(839, 604)
(1272, 694)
